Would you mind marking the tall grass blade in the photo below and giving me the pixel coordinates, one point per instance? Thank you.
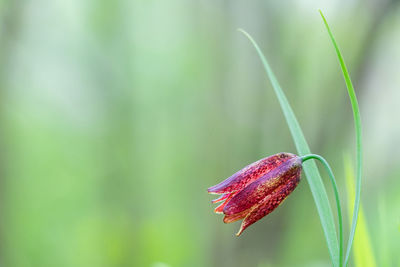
(310, 168)
(357, 125)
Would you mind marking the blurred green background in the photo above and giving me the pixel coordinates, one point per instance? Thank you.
(115, 117)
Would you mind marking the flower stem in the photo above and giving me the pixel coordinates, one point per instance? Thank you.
(339, 209)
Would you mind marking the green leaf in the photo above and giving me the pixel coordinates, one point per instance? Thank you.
(310, 168)
(357, 126)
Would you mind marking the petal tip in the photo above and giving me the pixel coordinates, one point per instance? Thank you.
(214, 190)
(239, 232)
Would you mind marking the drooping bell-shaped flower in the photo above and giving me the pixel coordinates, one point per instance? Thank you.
(256, 190)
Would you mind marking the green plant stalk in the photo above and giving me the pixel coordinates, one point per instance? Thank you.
(310, 168)
(357, 125)
(337, 198)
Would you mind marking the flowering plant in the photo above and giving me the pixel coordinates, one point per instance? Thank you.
(258, 189)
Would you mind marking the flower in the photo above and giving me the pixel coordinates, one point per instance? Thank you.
(259, 188)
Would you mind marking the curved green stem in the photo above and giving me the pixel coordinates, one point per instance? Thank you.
(339, 209)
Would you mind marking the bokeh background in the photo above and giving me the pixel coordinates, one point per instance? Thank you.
(115, 117)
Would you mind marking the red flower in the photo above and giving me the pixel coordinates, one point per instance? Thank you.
(257, 189)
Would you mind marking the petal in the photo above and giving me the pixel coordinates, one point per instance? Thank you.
(261, 188)
(270, 203)
(250, 173)
(220, 208)
(223, 197)
(237, 216)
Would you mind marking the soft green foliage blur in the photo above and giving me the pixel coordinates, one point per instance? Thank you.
(363, 253)
(115, 117)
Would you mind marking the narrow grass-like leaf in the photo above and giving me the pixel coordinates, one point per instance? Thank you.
(357, 125)
(310, 168)
(362, 248)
